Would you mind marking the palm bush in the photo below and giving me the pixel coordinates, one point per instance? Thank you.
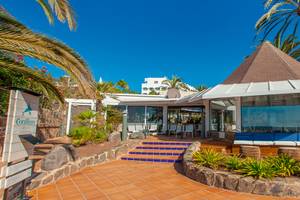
(208, 158)
(257, 168)
(284, 165)
(89, 130)
(233, 162)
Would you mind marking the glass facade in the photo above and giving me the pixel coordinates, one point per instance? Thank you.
(139, 115)
(271, 114)
(136, 114)
(185, 115)
(223, 115)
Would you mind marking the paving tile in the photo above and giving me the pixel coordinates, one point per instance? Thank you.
(129, 180)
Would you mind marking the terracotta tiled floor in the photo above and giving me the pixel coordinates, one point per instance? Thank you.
(128, 180)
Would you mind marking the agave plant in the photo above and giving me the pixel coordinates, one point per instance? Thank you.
(281, 15)
(17, 39)
(208, 158)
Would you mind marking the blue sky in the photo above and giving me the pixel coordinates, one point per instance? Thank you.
(200, 41)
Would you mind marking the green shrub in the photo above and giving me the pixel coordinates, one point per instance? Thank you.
(284, 165)
(100, 136)
(208, 158)
(81, 135)
(257, 168)
(233, 162)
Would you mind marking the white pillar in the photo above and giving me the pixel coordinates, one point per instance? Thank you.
(222, 121)
(165, 119)
(69, 117)
(145, 118)
(238, 114)
(207, 116)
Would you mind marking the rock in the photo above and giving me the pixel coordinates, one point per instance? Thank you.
(48, 179)
(121, 151)
(206, 176)
(261, 187)
(34, 184)
(219, 179)
(82, 163)
(90, 161)
(192, 171)
(277, 188)
(100, 158)
(137, 136)
(292, 190)
(111, 154)
(115, 138)
(74, 168)
(56, 158)
(58, 174)
(246, 185)
(67, 170)
(231, 181)
(72, 150)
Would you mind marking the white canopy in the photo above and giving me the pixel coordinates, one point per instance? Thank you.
(253, 89)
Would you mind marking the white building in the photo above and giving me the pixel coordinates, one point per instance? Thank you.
(154, 84)
(157, 85)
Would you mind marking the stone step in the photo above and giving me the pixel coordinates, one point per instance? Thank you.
(36, 157)
(158, 150)
(43, 146)
(156, 153)
(167, 143)
(151, 158)
(161, 147)
(41, 151)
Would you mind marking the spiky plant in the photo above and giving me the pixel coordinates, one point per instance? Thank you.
(176, 83)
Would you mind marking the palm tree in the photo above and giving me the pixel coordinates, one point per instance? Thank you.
(106, 87)
(281, 15)
(15, 38)
(201, 88)
(153, 92)
(290, 45)
(176, 83)
(123, 85)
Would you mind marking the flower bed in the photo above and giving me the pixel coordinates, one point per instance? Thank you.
(223, 178)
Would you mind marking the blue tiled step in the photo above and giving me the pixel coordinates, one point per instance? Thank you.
(169, 143)
(157, 153)
(161, 148)
(153, 160)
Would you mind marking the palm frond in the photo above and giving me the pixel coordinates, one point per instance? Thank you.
(21, 40)
(63, 11)
(47, 10)
(46, 85)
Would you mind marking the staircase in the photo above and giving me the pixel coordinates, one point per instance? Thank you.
(158, 151)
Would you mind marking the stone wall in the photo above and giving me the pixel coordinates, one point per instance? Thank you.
(48, 177)
(51, 123)
(227, 180)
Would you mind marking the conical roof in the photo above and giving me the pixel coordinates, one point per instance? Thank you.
(267, 63)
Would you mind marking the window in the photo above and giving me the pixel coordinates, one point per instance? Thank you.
(185, 115)
(223, 115)
(155, 82)
(136, 114)
(145, 88)
(271, 114)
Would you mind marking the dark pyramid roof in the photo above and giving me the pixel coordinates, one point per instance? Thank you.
(267, 63)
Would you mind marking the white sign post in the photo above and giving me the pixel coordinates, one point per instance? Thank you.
(21, 120)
